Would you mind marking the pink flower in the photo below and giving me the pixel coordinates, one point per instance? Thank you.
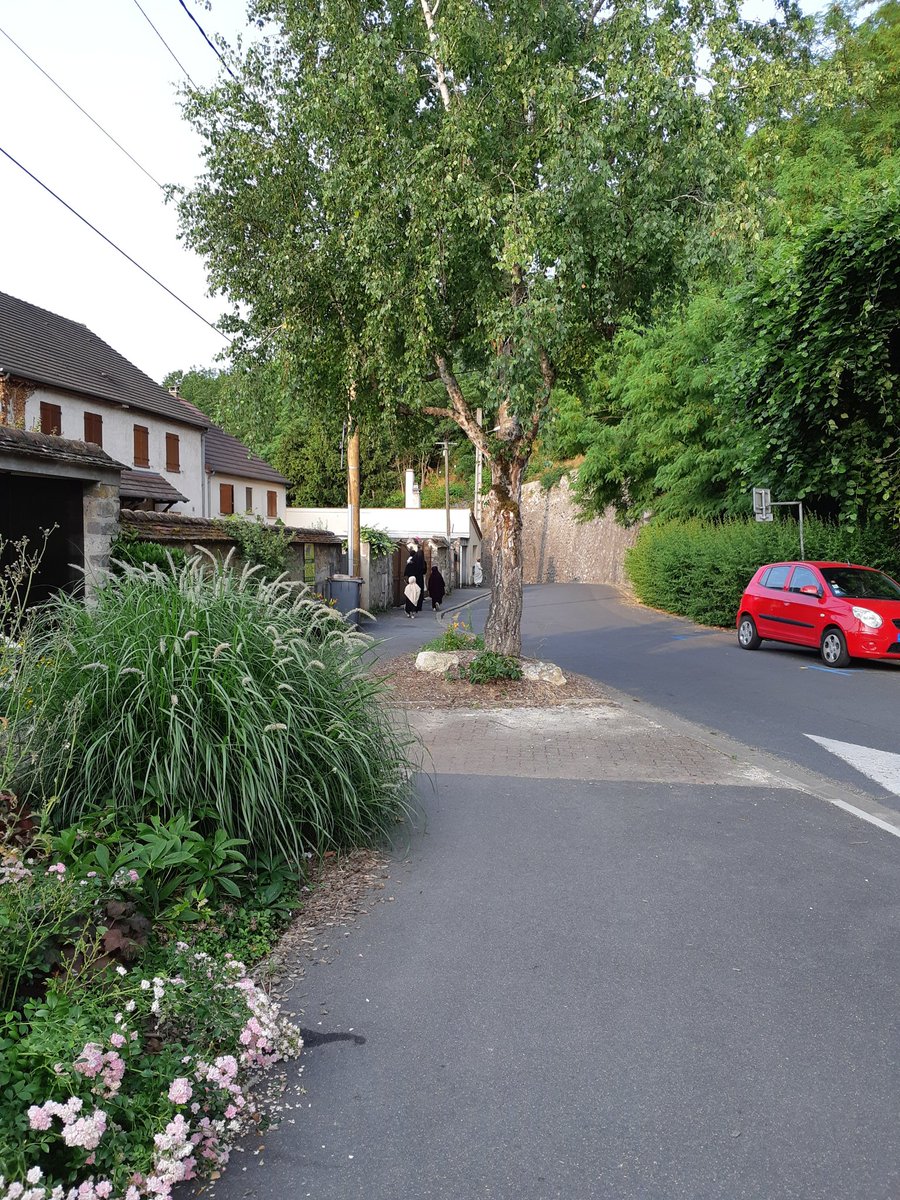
(38, 1118)
(57, 869)
(103, 1189)
(180, 1091)
(230, 1112)
(117, 1040)
(133, 875)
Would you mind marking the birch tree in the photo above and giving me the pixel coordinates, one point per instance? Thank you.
(432, 191)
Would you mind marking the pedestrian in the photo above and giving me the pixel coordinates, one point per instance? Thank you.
(436, 588)
(477, 575)
(417, 566)
(413, 594)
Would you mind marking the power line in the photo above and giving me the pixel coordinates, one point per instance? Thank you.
(212, 45)
(84, 111)
(165, 43)
(110, 242)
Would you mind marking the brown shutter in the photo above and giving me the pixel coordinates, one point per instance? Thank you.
(226, 498)
(141, 446)
(248, 497)
(173, 462)
(272, 504)
(93, 428)
(51, 418)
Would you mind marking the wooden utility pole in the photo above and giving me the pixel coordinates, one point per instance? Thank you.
(479, 468)
(354, 565)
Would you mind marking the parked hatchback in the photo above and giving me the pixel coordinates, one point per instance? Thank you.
(842, 610)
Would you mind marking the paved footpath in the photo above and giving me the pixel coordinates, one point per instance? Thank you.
(616, 958)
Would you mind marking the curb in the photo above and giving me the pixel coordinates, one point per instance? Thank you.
(465, 604)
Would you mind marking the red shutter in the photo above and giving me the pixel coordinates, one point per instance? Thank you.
(248, 496)
(173, 462)
(226, 498)
(272, 504)
(93, 428)
(51, 418)
(141, 446)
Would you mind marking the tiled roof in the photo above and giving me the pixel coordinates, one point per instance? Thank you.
(175, 526)
(225, 455)
(54, 449)
(147, 485)
(42, 347)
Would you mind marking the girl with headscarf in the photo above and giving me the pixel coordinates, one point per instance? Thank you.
(413, 594)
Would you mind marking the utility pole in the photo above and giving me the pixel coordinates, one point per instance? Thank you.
(446, 446)
(353, 555)
(479, 469)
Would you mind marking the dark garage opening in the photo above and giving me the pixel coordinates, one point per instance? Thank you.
(28, 506)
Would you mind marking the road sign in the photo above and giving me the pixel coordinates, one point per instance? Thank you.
(762, 504)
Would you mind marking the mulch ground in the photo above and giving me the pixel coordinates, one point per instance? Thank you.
(409, 688)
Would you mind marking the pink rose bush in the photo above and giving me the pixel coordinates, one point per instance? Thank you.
(103, 1130)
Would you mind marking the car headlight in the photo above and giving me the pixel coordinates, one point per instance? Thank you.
(868, 618)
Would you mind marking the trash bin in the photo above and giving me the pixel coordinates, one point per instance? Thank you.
(345, 590)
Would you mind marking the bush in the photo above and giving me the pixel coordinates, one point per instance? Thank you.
(214, 696)
(699, 568)
(259, 543)
(490, 667)
(457, 636)
(129, 550)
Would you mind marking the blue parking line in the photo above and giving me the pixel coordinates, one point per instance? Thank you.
(827, 670)
(682, 637)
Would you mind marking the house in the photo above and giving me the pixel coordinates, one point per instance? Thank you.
(84, 432)
(238, 481)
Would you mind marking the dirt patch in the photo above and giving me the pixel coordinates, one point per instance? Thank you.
(410, 688)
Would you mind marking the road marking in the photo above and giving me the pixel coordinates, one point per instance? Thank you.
(863, 815)
(880, 765)
(827, 670)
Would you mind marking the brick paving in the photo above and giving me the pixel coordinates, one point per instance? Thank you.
(597, 742)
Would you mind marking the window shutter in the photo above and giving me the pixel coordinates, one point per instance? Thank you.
(93, 428)
(173, 462)
(248, 496)
(141, 446)
(226, 498)
(51, 418)
(272, 504)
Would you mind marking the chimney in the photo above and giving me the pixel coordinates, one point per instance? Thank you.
(413, 499)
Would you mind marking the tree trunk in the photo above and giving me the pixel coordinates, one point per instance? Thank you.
(502, 630)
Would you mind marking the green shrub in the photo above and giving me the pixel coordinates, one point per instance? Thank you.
(215, 696)
(489, 667)
(699, 568)
(129, 550)
(259, 544)
(457, 636)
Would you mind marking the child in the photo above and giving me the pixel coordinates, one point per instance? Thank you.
(412, 592)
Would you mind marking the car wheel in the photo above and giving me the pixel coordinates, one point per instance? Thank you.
(834, 648)
(748, 638)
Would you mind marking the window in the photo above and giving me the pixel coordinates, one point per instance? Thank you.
(226, 498)
(776, 577)
(51, 418)
(248, 495)
(803, 577)
(93, 428)
(271, 504)
(172, 452)
(141, 446)
(309, 563)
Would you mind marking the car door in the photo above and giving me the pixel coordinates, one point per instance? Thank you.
(803, 611)
(772, 602)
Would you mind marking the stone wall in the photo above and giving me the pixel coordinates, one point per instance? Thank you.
(557, 548)
(101, 524)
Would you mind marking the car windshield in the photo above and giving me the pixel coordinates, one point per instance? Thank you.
(860, 585)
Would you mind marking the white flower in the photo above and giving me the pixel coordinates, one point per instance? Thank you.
(120, 970)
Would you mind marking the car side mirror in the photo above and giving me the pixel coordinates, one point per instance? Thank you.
(811, 590)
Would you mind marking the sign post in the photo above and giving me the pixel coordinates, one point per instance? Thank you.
(763, 505)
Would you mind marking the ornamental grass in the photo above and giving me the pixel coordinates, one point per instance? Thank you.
(210, 692)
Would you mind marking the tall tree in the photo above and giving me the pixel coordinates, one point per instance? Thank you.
(451, 190)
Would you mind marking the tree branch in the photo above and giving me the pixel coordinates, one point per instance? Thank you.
(460, 411)
(446, 414)
(439, 71)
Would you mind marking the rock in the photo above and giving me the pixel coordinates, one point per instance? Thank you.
(436, 662)
(542, 672)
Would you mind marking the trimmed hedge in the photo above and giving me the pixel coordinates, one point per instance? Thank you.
(699, 568)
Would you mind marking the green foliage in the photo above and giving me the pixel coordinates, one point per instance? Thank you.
(129, 549)
(457, 636)
(381, 543)
(258, 543)
(214, 696)
(699, 568)
(489, 667)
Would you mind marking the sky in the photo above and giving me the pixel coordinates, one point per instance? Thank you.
(108, 58)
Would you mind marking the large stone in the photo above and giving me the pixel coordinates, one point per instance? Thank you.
(436, 662)
(543, 672)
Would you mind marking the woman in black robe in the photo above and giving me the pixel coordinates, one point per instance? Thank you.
(436, 588)
(416, 566)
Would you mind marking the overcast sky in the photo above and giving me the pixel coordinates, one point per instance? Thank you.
(105, 55)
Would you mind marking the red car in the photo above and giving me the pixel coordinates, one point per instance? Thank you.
(844, 611)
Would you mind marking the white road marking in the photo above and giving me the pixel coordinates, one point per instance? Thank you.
(880, 765)
(863, 815)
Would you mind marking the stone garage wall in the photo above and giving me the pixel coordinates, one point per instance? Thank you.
(557, 548)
